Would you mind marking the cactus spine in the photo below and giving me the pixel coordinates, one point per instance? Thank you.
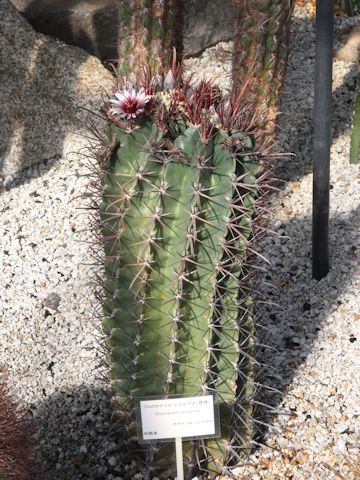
(148, 31)
(260, 51)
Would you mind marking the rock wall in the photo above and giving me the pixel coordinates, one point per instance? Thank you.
(92, 24)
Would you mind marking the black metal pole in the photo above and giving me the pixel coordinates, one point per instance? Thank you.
(322, 137)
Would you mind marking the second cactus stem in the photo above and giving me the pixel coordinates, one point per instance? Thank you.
(148, 31)
(261, 47)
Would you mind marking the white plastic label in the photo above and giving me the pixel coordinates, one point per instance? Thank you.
(177, 417)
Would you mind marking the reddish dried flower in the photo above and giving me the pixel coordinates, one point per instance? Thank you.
(201, 98)
(234, 112)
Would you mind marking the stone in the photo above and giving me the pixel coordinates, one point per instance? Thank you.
(342, 427)
(43, 85)
(52, 301)
(100, 473)
(83, 450)
(92, 24)
(277, 224)
(112, 461)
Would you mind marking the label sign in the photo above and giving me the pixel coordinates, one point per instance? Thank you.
(170, 418)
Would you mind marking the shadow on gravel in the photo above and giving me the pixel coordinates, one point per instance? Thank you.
(300, 136)
(73, 435)
(305, 304)
(297, 133)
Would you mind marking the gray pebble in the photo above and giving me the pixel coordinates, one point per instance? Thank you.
(83, 450)
(52, 301)
(112, 461)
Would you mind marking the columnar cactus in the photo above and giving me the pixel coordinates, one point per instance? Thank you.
(181, 184)
(260, 51)
(148, 31)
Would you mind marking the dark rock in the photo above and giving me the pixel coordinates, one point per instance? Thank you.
(207, 22)
(306, 307)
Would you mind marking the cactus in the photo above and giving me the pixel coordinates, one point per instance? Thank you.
(148, 30)
(180, 190)
(16, 462)
(260, 50)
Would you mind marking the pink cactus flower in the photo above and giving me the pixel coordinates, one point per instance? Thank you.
(129, 102)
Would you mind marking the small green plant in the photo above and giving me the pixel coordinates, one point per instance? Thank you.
(355, 132)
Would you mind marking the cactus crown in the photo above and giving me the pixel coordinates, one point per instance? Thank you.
(176, 102)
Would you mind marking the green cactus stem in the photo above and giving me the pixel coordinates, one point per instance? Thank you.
(180, 184)
(355, 132)
(177, 214)
(175, 238)
(148, 31)
(260, 51)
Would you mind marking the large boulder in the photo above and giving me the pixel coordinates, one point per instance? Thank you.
(92, 24)
(43, 86)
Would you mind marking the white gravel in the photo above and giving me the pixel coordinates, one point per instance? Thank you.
(48, 333)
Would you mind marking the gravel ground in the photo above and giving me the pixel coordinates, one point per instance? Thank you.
(48, 333)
